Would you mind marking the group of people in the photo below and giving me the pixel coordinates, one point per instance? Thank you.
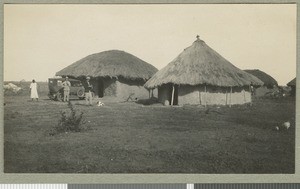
(66, 87)
(87, 90)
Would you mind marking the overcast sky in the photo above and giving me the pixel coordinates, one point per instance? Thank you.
(40, 40)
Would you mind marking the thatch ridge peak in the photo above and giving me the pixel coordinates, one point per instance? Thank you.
(200, 64)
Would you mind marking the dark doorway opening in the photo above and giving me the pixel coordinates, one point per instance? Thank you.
(175, 100)
(100, 88)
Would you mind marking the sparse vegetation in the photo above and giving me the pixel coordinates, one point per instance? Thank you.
(71, 121)
(134, 138)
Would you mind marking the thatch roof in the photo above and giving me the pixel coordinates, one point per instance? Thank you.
(268, 80)
(200, 64)
(292, 83)
(113, 63)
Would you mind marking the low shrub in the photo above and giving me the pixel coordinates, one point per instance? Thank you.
(71, 121)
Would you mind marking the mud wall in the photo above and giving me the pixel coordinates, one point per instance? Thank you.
(132, 88)
(210, 96)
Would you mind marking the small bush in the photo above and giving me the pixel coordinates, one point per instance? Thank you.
(69, 122)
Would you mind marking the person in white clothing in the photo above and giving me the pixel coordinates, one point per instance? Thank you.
(33, 91)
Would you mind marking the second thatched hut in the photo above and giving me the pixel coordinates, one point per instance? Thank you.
(113, 73)
(292, 84)
(199, 75)
(270, 84)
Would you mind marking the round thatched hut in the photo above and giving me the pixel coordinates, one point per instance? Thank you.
(269, 86)
(113, 73)
(199, 75)
(292, 84)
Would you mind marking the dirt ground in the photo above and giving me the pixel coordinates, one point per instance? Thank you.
(134, 138)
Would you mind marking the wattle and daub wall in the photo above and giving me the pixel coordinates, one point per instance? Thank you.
(213, 96)
(134, 89)
(120, 88)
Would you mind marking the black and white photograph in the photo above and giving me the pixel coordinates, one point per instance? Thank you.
(149, 88)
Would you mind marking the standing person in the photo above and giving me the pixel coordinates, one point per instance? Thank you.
(88, 91)
(66, 84)
(33, 91)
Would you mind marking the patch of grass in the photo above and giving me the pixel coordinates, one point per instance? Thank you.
(134, 138)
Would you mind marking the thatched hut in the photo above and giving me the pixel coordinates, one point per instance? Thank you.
(113, 73)
(199, 75)
(270, 84)
(292, 84)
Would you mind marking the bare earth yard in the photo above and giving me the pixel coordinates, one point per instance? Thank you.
(135, 138)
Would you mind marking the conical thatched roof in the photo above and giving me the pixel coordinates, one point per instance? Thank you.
(292, 83)
(265, 78)
(200, 64)
(113, 63)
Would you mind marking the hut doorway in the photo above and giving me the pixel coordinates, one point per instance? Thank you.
(173, 93)
(100, 88)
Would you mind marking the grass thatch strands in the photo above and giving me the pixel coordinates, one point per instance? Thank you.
(268, 80)
(200, 64)
(113, 64)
